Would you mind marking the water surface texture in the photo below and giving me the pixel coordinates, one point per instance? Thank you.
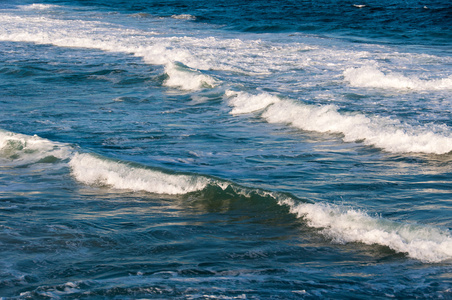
(225, 150)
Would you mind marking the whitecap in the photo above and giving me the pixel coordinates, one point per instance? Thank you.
(183, 17)
(94, 170)
(16, 148)
(188, 79)
(371, 76)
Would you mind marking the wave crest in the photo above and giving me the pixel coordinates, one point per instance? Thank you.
(92, 170)
(340, 224)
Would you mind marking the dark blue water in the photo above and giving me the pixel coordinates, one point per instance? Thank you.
(211, 150)
(387, 21)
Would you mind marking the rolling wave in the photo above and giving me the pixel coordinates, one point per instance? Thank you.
(339, 224)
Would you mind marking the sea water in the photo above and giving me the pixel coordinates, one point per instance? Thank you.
(225, 150)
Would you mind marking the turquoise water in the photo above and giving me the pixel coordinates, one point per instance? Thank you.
(198, 150)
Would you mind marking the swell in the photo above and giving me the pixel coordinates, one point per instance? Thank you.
(337, 223)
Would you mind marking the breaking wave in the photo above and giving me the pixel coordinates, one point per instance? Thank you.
(342, 225)
(93, 170)
(388, 134)
(184, 78)
(183, 17)
(20, 149)
(337, 223)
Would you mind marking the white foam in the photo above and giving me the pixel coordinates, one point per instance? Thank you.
(243, 103)
(92, 170)
(428, 244)
(183, 17)
(371, 76)
(18, 148)
(385, 133)
(187, 79)
(38, 6)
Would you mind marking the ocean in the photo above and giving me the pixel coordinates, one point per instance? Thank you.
(225, 150)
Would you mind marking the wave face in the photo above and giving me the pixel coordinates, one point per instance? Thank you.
(180, 76)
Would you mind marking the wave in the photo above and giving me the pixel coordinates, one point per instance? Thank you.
(185, 78)
(20, 149)
(92, 170)
(388, 134)
(244, 103)
(339, 224)
(345, 225)
(371, 76)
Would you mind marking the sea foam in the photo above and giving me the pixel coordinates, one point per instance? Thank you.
(371, 76)
(388, 134)
(183, 17)
(187, 79)
(37, 6)
(16, 149)
(96, 35)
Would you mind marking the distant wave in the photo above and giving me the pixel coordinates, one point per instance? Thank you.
(339, 224)
(385, 133)
(38, 6)
(183, 17)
